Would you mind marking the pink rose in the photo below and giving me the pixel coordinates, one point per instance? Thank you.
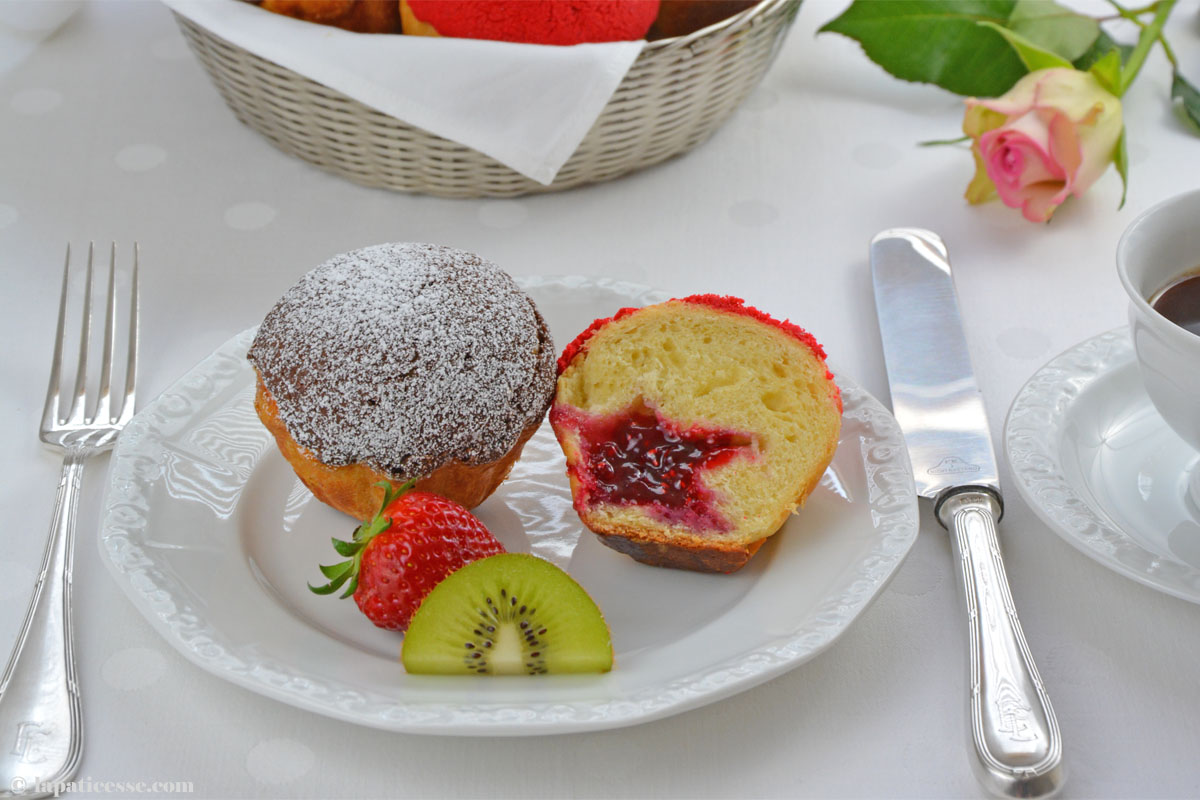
(1050, 136)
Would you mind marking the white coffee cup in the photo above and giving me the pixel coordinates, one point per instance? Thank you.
(1159, 246)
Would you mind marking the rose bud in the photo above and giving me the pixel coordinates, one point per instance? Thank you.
(1050, 136)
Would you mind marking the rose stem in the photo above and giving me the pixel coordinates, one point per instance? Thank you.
(1150, 34)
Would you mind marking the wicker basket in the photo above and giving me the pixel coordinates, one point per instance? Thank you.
(675, 95)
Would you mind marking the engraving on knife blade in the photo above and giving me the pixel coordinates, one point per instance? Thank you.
(952, 465)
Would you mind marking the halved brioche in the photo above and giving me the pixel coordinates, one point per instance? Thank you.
(693, 428)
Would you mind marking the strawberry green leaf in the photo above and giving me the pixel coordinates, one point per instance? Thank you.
(335, 571)
(936, 41)
(346, 549)
(1188, 104)
(390, 492)
(1053, 28)
(1031, 55)
(350, 587)
(1121, 161)
(328, 588)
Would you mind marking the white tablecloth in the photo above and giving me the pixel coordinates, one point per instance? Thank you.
(110, 130)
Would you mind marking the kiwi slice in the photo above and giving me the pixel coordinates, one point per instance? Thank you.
(509, 614)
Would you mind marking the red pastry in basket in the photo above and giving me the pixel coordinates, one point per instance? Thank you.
(693, 428)
(561, 22)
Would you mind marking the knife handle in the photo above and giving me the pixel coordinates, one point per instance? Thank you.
(1016, 734)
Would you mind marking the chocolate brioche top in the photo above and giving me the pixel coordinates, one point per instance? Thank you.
(406, 357)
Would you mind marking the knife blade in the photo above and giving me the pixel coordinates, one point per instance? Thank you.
(941, 412)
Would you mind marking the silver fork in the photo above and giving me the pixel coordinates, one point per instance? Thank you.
(41, 735)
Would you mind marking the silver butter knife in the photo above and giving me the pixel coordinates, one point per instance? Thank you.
(940, 409)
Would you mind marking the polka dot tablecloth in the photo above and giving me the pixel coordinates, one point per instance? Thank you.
(109, 130)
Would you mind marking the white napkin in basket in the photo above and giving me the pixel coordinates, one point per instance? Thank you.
(527, 106)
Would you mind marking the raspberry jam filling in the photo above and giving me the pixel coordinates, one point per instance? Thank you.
(636, 457)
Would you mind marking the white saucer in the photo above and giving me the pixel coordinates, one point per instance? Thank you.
(1098, 464)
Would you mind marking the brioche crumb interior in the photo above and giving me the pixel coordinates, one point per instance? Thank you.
(698, 366)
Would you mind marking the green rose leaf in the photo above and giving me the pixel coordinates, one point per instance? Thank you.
(1188, 99)
(936, 41)
(959, 45)
(1053, 28)
(1031, 55)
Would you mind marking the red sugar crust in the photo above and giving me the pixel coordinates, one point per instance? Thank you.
(555, 22)
(726, 302)
(737, 305)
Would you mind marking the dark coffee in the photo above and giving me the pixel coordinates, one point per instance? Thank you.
(1180, 302)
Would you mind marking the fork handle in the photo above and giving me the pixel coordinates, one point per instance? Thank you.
(41, 731)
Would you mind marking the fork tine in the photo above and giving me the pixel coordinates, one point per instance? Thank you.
(54, 388)
(79, 402)
(127, 405)
(103, 411)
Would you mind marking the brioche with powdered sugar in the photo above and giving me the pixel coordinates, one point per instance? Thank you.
(403, 362)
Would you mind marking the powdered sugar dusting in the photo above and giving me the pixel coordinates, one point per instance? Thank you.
(405, 357)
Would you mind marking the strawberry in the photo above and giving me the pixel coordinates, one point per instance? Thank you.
(415, 541)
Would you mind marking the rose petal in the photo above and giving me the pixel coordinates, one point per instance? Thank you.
(1063, 142)
(1017, 100)
(980, 189)
(1040, 200)
(1098, 146)
(1070, 92)
(1024, 173)
(1016, 157)
(979, 119)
